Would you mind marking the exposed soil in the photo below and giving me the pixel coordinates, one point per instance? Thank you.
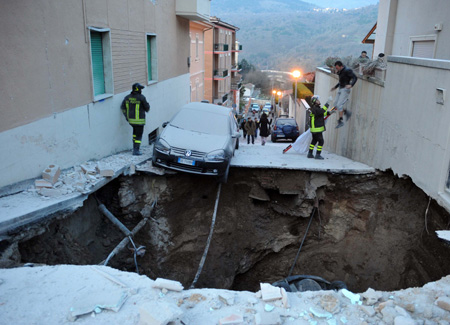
(369, 232)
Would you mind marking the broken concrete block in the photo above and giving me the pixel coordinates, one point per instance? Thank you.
(132, 169)
(105, 170)
(371, 296)
(41, 183)
(264, 318)
(284, 298)
(269, 292)
(168, 284)
(232, 320)
(51, 173)
(158, 313)
(403, 320)
(88, 169)
(49, 192)
(443, 302)
(258, 193)
(368, 310)
(227, 298)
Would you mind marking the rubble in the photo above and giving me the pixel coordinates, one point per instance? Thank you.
(168, 284)
(51, 173)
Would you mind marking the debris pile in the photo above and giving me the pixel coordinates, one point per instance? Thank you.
(102, 295)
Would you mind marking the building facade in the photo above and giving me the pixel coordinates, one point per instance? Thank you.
(66, 67)
(221, 62)
(197, 60)
(401, 123)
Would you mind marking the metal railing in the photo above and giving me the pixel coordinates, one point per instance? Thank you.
(220, 47)
(221, 73)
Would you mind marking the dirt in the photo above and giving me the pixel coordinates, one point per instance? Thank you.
(369, 230)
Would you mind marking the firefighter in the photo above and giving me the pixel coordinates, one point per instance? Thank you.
(317, 126)
(133, 108)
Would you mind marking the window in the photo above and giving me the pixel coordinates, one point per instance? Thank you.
(151, 58)
(102, 78)
(423, 46)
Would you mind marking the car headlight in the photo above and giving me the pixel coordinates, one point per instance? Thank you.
(162, 146)
(216, 155)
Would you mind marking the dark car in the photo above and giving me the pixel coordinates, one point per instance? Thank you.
(302, 283)
(285, 128)
(200, 139)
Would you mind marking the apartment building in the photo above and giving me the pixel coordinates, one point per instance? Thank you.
(197, 60)
(67, 65)
(221, 72)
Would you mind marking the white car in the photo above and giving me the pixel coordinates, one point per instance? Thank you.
(200, 139)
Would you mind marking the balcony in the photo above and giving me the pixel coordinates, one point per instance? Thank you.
(236, 68)
(220, 74)
(194, 9)
(220, 47)
(237, 48)
(236, 83)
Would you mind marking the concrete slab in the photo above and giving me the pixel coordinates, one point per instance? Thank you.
(271, 156)
(28, 207)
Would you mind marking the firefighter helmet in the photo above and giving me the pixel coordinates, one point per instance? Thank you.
(137, 87)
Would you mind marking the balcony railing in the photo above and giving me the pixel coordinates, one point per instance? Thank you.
(220, 73)
(236, 83)
(237, 47)
(221, 47)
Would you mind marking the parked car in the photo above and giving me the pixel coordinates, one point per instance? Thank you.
(284, 128)
(255, 107)
(200, 139)
(268, 106)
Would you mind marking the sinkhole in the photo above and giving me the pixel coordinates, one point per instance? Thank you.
(368, 230)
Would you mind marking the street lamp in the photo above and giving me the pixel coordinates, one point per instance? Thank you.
(279, 94)
(274, 108)
(296, 74)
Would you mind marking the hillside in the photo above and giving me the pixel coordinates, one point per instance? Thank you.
(303, 38)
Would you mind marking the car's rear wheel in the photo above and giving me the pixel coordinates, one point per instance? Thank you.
(237, 144)
(273, 139)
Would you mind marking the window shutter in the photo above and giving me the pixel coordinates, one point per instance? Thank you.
(149, 58)
(423, 49)
(97, 63)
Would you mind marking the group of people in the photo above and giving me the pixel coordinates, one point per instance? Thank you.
(251, 125)
(135, 105)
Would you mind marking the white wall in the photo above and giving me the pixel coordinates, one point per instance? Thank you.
(397, 124)
(88, 132)
(398, 20)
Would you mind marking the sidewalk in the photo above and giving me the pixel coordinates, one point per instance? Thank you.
(271, 156)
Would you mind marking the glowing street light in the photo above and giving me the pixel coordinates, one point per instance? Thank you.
(296, 74)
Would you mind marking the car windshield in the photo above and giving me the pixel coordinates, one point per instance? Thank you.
(286, 122)
(201, 121)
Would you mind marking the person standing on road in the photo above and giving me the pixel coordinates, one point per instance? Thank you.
(347, 80)
(317, 126)
(256, 127)
(243, 127)
(134, 106)
(264, 126)
(250, 127)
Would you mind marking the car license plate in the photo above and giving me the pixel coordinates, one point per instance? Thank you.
(280, 135)
(186, 161)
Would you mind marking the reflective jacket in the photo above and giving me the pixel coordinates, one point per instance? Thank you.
(134, 107)
(317, 118)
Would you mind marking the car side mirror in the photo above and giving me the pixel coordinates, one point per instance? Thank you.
(165, 124)
(236, 135)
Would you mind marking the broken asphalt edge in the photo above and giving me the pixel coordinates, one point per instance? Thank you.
(66, 205)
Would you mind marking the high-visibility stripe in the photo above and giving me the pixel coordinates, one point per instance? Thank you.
(137, 141)
(319, 148)
(127, 104)
(311, 146)
(136, 110)
(137, 122)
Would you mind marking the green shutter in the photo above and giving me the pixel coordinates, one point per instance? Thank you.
(149, 58)
(97, 63)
